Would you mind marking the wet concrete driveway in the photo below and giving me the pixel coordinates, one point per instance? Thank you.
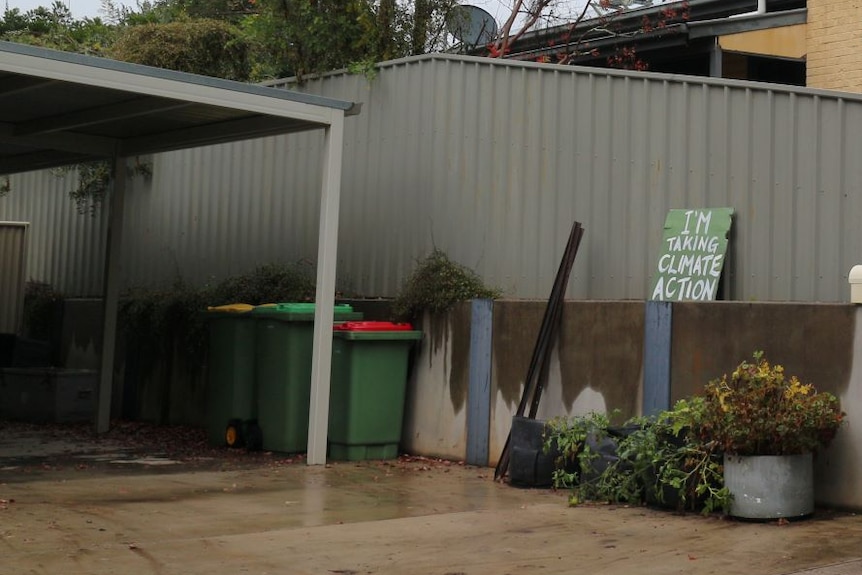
(79, 508)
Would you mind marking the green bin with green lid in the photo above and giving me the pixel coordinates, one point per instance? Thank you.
(368, 387)
(284, 334)
(231, 398)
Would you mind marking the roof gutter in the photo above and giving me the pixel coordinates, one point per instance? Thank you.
(724, 26)
(629, 22)
(673, 35)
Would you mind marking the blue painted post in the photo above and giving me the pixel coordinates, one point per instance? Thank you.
(479, 390)
(657, 345)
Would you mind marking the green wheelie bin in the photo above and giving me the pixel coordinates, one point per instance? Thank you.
(231, 398)
(369, 384)
(283, 371)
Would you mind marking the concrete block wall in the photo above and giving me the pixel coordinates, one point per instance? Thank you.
(600, 364)
(81, 333)
(819, 343)
(834, 59)
(435, 416)
(597, 365)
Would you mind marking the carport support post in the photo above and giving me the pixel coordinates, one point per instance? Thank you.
(111, 292)
(327, 248)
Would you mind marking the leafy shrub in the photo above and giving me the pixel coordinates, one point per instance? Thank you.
(436, 285)
(41, 310)
(157, 319)
(646, 460)
(760, 411)
(205, 46)
(271, 283)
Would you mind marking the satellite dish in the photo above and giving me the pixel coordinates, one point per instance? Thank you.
(471, 25)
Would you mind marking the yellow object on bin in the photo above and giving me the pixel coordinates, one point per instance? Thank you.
(233, 308)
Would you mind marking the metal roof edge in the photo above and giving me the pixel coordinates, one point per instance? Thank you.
(596, 71)
(349, 108)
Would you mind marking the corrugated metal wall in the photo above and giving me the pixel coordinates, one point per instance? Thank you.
(492, 161)
(13, 255)
(216, 211)
(66, 249)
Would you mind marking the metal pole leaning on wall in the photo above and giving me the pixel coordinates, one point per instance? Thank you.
(541, 353)
(556, 318)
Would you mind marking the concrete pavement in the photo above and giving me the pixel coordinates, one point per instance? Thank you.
(85, 509)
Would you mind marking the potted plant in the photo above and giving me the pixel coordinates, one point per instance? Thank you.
(768, 426)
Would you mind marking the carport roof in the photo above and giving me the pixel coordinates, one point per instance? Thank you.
(60, 108)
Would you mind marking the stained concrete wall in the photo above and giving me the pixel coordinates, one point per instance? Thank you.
(435, 417)
(597, 365)
(81, 333)
(597, 362)
(813, 341)
(819, 343)
(838, 471)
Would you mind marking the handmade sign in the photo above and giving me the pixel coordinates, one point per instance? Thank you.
(693, 253)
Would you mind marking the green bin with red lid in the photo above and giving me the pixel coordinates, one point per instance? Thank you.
(368, 388)
(284, 334)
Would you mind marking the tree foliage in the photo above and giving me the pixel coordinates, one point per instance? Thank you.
(241, 39)
(299, 37)
(577, 23)
(203, 46)
(261, 39)
(54, 27)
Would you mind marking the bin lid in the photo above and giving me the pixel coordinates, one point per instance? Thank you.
(375, 330)
(303, 312)
(298, 307)
(231, 308)
(373, 326)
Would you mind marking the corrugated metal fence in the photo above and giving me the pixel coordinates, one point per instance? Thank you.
(66, 248)
(491, 161)
(13, 254)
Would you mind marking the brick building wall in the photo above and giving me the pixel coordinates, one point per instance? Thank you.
(834, 41)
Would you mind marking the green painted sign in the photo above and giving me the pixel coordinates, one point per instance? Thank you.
(693, 254)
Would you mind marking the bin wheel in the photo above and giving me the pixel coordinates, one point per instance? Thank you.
(253, 437)
(233, 435)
